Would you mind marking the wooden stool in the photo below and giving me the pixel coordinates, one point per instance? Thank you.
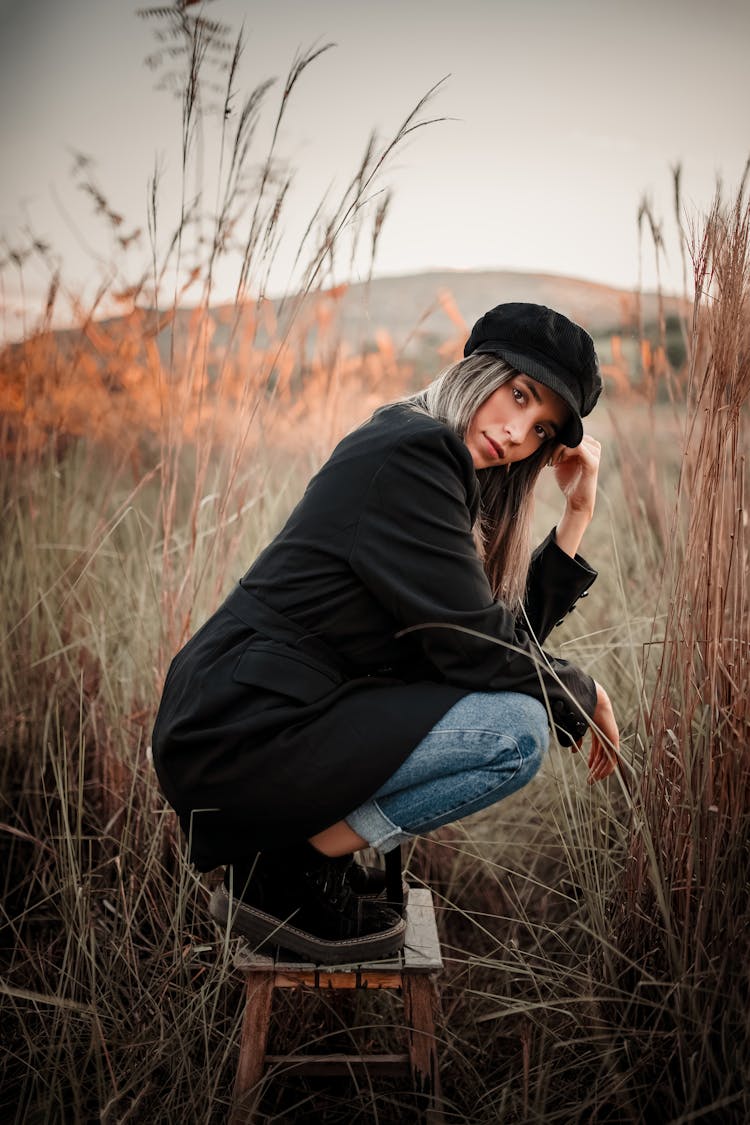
(413, 971)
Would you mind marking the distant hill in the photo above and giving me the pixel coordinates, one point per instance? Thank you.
(398, 303)
(422, 311)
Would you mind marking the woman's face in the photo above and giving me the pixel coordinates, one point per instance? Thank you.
(514, 422)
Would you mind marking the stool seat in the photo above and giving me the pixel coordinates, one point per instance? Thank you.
(413, 972)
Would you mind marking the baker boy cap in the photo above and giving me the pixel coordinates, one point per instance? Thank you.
(545, 345)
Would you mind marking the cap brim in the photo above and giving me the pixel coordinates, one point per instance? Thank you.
(571, 433)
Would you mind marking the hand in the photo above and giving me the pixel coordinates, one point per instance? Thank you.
(605, 743)
(576, 471)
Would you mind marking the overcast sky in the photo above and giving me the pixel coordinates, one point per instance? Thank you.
(563, 114)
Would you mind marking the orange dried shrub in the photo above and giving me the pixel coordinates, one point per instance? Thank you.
(337, 395)
(137, 380)
(617, 371)
(62, 386)
(453, 349)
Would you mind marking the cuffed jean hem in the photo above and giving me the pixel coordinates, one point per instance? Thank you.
(370, 822)
(484, 748)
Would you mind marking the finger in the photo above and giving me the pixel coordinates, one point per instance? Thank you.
(589, 459)
(604, 771)
(600, 771)
(577, 461)
(594, 762)
(590, 449)
(595, 750)
(559, 454)
(604, 763)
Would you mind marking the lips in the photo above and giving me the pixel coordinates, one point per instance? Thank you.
(497, 450)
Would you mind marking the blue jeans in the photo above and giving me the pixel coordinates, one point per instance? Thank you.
(488, 745)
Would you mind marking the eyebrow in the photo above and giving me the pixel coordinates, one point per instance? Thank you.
(528, 384)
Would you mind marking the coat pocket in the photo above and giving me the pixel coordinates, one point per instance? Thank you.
(282, 669)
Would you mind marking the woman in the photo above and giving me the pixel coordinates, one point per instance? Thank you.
(378, 671)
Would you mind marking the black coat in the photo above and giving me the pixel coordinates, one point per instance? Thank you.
(302, 693)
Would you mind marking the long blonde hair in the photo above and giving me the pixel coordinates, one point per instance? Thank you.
(503, 527)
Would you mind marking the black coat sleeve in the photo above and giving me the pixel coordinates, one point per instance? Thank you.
(415, 551)
(555, 583)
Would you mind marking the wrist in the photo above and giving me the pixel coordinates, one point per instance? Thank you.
(570, 530)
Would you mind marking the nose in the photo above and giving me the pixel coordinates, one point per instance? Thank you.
(516, 432)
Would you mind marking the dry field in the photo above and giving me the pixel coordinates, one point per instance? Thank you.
(596, 939)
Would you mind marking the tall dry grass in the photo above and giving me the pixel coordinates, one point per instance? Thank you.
(684, 909)
(595, 939)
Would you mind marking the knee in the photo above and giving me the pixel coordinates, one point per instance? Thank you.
(532, 734)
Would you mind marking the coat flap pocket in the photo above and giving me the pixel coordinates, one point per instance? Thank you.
(279, 668)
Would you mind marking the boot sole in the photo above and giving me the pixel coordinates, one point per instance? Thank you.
(264, 929)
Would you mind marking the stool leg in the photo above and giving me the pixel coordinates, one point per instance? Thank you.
(419, 1000)
(254, 1037)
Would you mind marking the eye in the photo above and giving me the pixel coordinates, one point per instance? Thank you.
(541, 433)
(518, 395)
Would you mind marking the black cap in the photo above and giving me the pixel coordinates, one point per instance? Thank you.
(550, 348)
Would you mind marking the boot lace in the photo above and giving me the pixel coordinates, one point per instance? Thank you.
(335, 887)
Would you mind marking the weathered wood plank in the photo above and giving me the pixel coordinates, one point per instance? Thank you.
(420, 999)
(254, 1037)
(342, 1064)
(422, 944)
(361, 977)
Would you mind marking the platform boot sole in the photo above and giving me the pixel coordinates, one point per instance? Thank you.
(264, 930)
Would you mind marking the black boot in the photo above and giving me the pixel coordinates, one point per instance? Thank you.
(365, 881)
(377, 883)
(300, 900)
